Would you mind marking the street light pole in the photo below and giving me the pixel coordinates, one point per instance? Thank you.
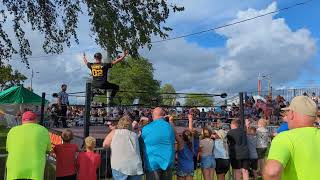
(32, 73)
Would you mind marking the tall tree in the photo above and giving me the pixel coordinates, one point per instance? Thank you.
(197, 100)
(134, 76)
(115, 24)
(10, 77)
(168, 99)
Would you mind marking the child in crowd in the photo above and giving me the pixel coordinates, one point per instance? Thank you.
(238, 150)
(66, 157)
(263, 141)
(253, 155)
(206, 155)
(221, 153)
(185, 152)
(88, 162)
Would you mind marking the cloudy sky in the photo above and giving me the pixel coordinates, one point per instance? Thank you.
(284, 45)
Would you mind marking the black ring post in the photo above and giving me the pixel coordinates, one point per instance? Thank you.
(87, 110)
(43, 102)
(241, 110)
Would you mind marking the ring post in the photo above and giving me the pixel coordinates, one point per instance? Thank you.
(43, 102)
(241, 109)
(108, 102)
(86, 124)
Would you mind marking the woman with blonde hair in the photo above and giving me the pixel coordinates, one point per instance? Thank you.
(221, 153)
(206, 155)
(126, 161)
(263, 140)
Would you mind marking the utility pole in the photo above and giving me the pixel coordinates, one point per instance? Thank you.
(32, 74)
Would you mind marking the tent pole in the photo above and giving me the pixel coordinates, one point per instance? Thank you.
(43, 101)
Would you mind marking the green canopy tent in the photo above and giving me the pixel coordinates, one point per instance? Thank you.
(17, 98)
(19, 95)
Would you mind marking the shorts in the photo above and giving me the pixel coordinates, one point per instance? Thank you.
(71, 177)
(207, 162)
(117, 175)
(253, 164)
(261, 152)
(222, 166)
(240, 164)
(184, 174)
(159, 174)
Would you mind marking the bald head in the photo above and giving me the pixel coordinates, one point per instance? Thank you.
(158, 113)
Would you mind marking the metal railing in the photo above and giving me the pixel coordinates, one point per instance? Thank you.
(103, 173)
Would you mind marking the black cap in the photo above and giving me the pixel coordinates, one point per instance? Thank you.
(98, 56)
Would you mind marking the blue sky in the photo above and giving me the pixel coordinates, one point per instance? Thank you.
(284, 45)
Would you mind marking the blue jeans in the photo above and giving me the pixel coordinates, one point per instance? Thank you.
(117, 175)
(207, 162)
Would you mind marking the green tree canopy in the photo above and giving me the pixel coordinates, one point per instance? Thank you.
(197, 100)
(10, 77)
(168, 99)
(115, 24)
(135, 75)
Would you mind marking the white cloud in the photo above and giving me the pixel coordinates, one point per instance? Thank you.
(265, 45)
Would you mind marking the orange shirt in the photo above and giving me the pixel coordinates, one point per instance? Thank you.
(66, 159)
(88, 163)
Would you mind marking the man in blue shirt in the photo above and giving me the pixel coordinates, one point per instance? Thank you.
(158, 138)
(283, 127)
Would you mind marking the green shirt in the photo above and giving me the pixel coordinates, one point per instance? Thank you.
(298, 150)
(27, 145)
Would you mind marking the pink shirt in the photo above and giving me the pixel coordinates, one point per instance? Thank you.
(88, 163)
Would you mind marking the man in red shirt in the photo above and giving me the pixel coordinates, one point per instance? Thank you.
(66, 157)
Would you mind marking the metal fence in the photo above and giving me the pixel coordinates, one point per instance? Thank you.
(103, 173)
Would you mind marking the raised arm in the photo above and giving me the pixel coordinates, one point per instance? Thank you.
(120, 58)
(190, 118)
(85, 61)
(177, 137)
(107, 141)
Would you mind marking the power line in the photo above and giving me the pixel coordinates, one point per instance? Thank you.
(234, 23)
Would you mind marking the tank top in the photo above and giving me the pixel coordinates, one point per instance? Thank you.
(185, 159)
(125, 153)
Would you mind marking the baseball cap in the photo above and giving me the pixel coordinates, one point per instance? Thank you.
(29, 116)
(303, 105)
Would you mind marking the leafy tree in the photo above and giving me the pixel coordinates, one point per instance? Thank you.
(115, 24)
(136, 75)
(10, 77)
(198, 100)
(168, 99)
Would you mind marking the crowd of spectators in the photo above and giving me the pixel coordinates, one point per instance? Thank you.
(254, 109)
(157, 148)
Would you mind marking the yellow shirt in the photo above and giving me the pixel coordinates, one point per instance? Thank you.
(27, 146)
(298, 150)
